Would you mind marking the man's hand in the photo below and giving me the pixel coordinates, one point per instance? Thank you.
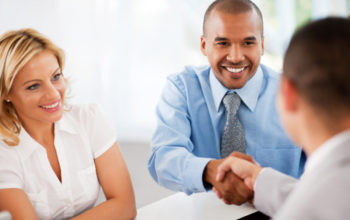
(231, 189)
(244, 168)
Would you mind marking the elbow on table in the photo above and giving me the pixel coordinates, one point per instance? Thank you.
(132, 212)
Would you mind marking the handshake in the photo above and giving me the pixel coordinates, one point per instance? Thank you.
(233, 178)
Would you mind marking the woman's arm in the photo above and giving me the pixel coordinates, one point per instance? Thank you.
(17, 203)
(114, 178)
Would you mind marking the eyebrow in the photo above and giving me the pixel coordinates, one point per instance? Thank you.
(36, 80)
(220, 39)
(252, 38)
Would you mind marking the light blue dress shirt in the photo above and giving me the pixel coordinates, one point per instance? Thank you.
(191, 118)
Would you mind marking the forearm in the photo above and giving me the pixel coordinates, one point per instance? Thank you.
(271, 190)
(115, 208)
(177, 169)
(17, 203)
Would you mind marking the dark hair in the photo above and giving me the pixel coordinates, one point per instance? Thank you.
(233, 7)
(317, 62)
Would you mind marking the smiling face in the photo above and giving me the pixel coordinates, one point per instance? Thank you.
(38, 90)
(234, 45)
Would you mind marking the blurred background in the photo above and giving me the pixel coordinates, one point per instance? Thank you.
(119, 52)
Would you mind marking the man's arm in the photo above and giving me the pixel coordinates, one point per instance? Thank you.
(172, 163)
(272, 188)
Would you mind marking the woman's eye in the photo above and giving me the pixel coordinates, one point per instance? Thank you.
(32, 87)
(57, 76)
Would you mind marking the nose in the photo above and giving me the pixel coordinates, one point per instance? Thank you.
(235, 54)
(51, 92)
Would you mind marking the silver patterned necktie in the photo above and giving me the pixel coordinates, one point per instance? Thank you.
(232, 138)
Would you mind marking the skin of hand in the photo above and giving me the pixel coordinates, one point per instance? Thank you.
(247, 170)
(231, 189)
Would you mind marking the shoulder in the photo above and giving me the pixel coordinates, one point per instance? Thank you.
(6, 150)
(189, 74)
(82, 111)
(321, 194)
(80, 116)
(9, 157)
(270, 74)
(189, 79)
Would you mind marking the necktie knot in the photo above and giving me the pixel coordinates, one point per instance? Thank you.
(231, 102)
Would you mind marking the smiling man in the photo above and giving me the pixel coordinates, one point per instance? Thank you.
(206, 113)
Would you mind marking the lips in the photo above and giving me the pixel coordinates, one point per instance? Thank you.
(236, 72)
(51, 107)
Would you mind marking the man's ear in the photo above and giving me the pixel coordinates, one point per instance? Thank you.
(290, 94)
(203, 44)
(262, 46)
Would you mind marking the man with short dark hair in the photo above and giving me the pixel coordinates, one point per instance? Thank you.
(205, 113)
(314, 105)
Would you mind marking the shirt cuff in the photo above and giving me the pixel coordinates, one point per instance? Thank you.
(194, 174)
(264, 191)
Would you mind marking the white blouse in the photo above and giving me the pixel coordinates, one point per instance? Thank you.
(82, 135)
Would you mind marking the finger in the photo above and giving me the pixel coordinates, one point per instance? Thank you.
(243, 169)
(249, 183)
(218, 194)
(223, 168)
(235, 190)
(226, 201)
(242, 156)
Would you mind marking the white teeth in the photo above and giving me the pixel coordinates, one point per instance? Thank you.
(235, 70)
(50, 106)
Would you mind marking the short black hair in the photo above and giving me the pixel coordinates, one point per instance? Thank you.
(317, 63)
(233, 7)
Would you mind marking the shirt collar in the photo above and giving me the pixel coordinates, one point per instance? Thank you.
(67, 124)
(322, 153)
(249, 93)
(28, 145)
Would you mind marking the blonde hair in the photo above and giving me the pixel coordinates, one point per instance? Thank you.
(16, 49)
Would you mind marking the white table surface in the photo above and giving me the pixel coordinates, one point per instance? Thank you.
(203, 206)
(5, 215)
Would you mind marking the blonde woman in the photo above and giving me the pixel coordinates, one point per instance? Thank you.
(53, 160)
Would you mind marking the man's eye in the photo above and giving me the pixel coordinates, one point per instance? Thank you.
(57, 76)
(249, 43)
(222, 43)
(32, 87)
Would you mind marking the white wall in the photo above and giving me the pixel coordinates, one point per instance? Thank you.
(119, 52)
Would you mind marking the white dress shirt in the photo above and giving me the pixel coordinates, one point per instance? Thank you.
(81, 136)
(323, 191)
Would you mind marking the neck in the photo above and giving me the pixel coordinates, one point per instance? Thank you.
(43, 133)
(316, 131)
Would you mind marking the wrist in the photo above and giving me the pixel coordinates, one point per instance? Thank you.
(256, 173)
(209, 173)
